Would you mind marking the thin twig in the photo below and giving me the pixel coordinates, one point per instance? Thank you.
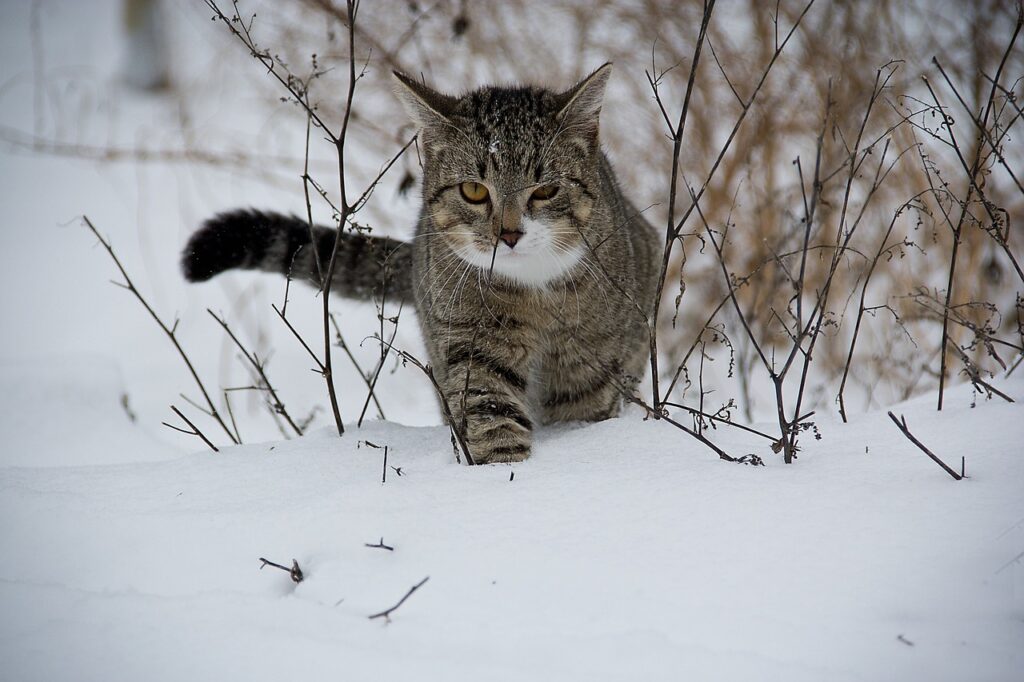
(901, 424)
(297, 335)
(195, 429)
(169, 331)
(379, 545)
(384, 350)
(458, 434)
(352, 7)
(716, 419)
(386, 615)
(340, 342)
(861, 309)
(671, 232)
(275, 402)
(294, 572)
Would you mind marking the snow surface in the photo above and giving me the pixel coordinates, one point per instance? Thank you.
(620, 550)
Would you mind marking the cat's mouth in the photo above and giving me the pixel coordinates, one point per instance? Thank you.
(528, 264)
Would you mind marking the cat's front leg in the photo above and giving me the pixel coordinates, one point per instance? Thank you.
(584, 381)
(485, 387)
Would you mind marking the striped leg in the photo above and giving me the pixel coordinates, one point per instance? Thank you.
(575, 389)
(493, 408)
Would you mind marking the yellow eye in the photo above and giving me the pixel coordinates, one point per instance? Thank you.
(544, 192)
(473, 192)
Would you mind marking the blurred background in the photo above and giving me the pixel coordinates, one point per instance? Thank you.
(148, 117)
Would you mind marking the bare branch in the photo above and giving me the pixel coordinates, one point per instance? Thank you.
(169, 331)
(295, 573)
(901, 424)
(386, 614)
(195, 429)
(275, 402)
(379, 545)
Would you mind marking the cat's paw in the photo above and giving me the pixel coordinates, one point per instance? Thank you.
(500, 454)
(497, 426)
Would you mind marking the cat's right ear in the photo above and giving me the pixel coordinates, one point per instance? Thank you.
(425, 107)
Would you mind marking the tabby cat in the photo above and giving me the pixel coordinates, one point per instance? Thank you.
(532, 275)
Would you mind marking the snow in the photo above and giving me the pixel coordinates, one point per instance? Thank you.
(620, 550)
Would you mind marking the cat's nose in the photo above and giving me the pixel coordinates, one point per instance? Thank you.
(510, 238)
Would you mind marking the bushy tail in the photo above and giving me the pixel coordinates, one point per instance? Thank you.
(366, 267)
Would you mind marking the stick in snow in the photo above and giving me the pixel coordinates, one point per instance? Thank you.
(195, 429)
(901, 424)
(386, 615)
(295, 572)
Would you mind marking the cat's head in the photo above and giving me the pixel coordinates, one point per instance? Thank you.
(511, 174)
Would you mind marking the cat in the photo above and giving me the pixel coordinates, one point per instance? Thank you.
(532, 275)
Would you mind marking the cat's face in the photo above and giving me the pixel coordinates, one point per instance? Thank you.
(510, 174)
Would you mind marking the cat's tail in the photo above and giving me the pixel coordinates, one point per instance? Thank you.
(366, 267)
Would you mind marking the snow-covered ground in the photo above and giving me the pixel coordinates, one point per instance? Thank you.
(621, 550)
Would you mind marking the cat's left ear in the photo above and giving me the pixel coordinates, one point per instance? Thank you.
(580, 105)
(426, 107)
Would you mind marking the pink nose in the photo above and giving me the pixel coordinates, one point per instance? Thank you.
(510, 238)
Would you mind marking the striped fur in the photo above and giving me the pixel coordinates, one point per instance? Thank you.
(366, 267)
(533, 302)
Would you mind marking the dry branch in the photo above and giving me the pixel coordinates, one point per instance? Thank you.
(458, 434)
(295, 573)
(385, 349)
(195, 429)
(170, 332)
(718, 419)
(258, 366)
(299, 90)
(901, 424)
(379, 545)
(340, 342)
(671, 232)
(386, 615)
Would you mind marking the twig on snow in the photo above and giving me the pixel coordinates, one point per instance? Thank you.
(194, 432)
(386, 615)
(294, 572)
(901, 424)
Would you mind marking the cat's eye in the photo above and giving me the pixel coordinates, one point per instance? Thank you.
(473, 192)
(544, 192)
